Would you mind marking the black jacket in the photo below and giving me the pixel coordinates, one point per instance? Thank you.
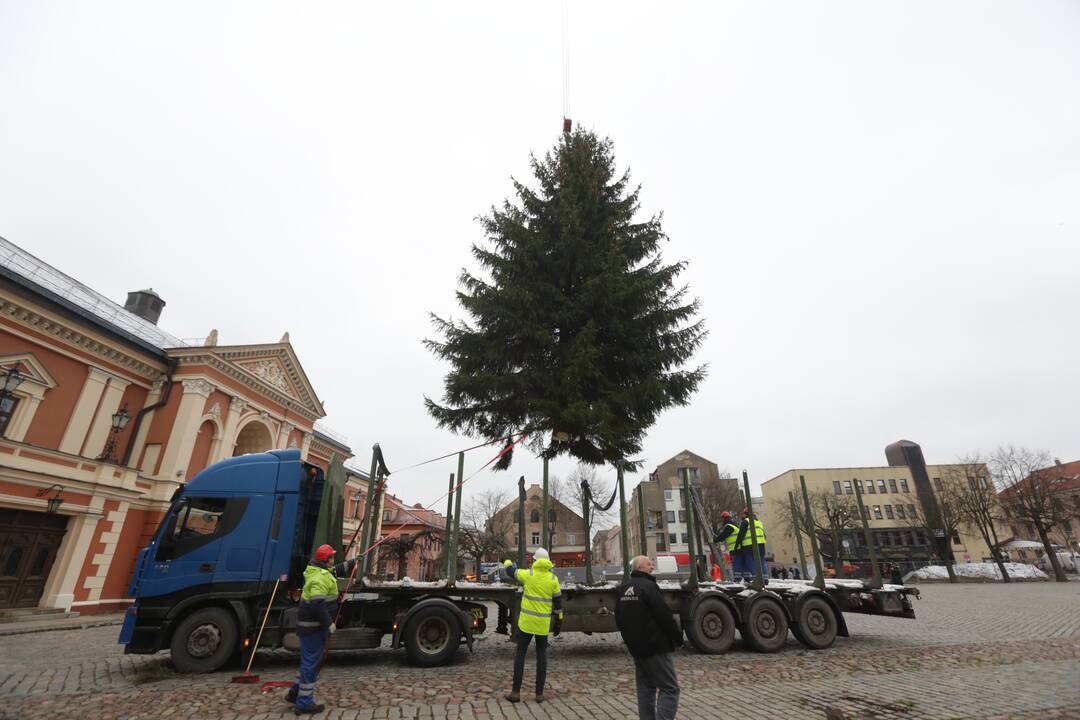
(644, 619)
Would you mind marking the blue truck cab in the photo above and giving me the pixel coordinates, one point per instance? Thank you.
(229, 535)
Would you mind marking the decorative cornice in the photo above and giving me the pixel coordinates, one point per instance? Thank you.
(77, 338)
(237, 405)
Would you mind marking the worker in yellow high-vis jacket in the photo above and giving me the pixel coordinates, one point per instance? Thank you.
(541, 612)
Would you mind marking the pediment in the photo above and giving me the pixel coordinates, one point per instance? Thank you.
(29, 367)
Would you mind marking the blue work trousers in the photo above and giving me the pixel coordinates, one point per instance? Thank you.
(312, 648)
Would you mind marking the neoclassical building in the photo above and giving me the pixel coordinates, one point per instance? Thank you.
(103, 414)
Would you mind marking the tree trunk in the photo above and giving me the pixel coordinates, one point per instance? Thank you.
(949, 566)
(995, 550)
(838, 560)
(1059, 573)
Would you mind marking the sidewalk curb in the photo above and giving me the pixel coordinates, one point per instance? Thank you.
(4, 632)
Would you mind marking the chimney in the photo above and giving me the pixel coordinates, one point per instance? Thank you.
(147, 304)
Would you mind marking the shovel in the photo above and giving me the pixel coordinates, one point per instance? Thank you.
(247, 678)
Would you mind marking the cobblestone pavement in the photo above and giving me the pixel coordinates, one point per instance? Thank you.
(975, 651)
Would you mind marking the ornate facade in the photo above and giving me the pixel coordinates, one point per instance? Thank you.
(84, 361)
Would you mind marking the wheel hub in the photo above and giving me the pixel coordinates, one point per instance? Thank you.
(204, 640)
(816, 622)
(766, 625)
(712, 626)
(433, 635)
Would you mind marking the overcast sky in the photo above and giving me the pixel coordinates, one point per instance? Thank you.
(879, 202)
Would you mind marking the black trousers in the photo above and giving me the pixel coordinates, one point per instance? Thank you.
(523, 640)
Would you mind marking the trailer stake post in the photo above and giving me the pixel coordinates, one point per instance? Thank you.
(448, 540)
(545, 524)
(624, 531)
(759, 580)
(819, 578)
(864, 515)
(796, 523)
(692, 583)
(369, 512)
(459, 479)
(521, 522)
(641, 519)
(586, 499)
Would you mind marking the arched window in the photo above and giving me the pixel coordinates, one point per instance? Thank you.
(534, 516)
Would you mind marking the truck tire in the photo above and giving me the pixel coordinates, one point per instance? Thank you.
(765, 626)
(432, 636)
(204, 641)
(817, 625)
(712, 627)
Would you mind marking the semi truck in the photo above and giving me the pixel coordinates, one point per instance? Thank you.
(232, 548)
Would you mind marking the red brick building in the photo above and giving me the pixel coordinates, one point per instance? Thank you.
(107, 414)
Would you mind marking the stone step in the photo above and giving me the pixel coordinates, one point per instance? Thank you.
(14, 615)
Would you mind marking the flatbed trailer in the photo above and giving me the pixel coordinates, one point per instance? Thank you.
(246, 525)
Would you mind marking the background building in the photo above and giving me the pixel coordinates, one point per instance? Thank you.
(1064, 481)
(896, 515)
(666, 530)
(109, 415)
(568, 534)
(607, 547)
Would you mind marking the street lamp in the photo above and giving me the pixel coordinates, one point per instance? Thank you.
(53, 503)
(12, 379)
(120, 420)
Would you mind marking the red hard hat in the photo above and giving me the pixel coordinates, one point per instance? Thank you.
(746, 511)
(725, 515)
(324, 553)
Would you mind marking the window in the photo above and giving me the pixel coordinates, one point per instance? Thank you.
(667, 494)
(536, 538)
(911, 511)
(847, 487)
(866, 511)
(836, 486)
(870, 487)
(956, 538)
(900, 512)
(671, 516)
(660, 544)
(386, 515)
(889, 512)
(877, 511)
(937, 484)
(554, 539)
(881, 486)
(673, 538)
(534, 516)
(686, 538)
(7, 409)
(682, 516)
(197, 522)
(904, 485)
(892, 485)
(571, 538)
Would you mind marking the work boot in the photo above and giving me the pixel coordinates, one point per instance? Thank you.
(539, 697)
(513, 696)
(310, 710)
(290, 697)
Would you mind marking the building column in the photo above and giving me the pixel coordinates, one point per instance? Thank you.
(83, 414)
(185, 427)
(139, 441)
(283, 434)
(60, 589)
(305, 446)
(24, 415)
(102, 424)
(228, 434)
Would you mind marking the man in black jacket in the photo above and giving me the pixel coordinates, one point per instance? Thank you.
(651, 636)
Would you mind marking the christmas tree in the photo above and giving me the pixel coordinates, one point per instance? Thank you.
(576, 326)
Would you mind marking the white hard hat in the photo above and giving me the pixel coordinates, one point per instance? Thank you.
(541, 554)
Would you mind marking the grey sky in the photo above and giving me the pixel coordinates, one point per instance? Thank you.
(878, 202)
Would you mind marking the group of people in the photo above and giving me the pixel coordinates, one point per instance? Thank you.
(740, 541)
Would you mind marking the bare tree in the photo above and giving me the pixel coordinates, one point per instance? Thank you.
(979, 507)
(832, 515)
(398, 548)
(484, 531)
(950, 513)
(718, 496)
(1032, 490)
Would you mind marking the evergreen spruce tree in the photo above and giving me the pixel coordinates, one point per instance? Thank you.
(577, 327)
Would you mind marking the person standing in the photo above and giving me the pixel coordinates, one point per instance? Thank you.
(728, 534)
(541, 612)
(651, 635)
(314, 624)
(752, 556)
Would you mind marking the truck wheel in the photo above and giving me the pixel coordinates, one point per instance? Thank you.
(712, 628)
(817, 624)
(432, 636)
(766, 626)
(204, 641)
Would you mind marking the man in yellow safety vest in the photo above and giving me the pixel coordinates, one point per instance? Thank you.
(728, 534)
(745, 543)
(541, 612)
